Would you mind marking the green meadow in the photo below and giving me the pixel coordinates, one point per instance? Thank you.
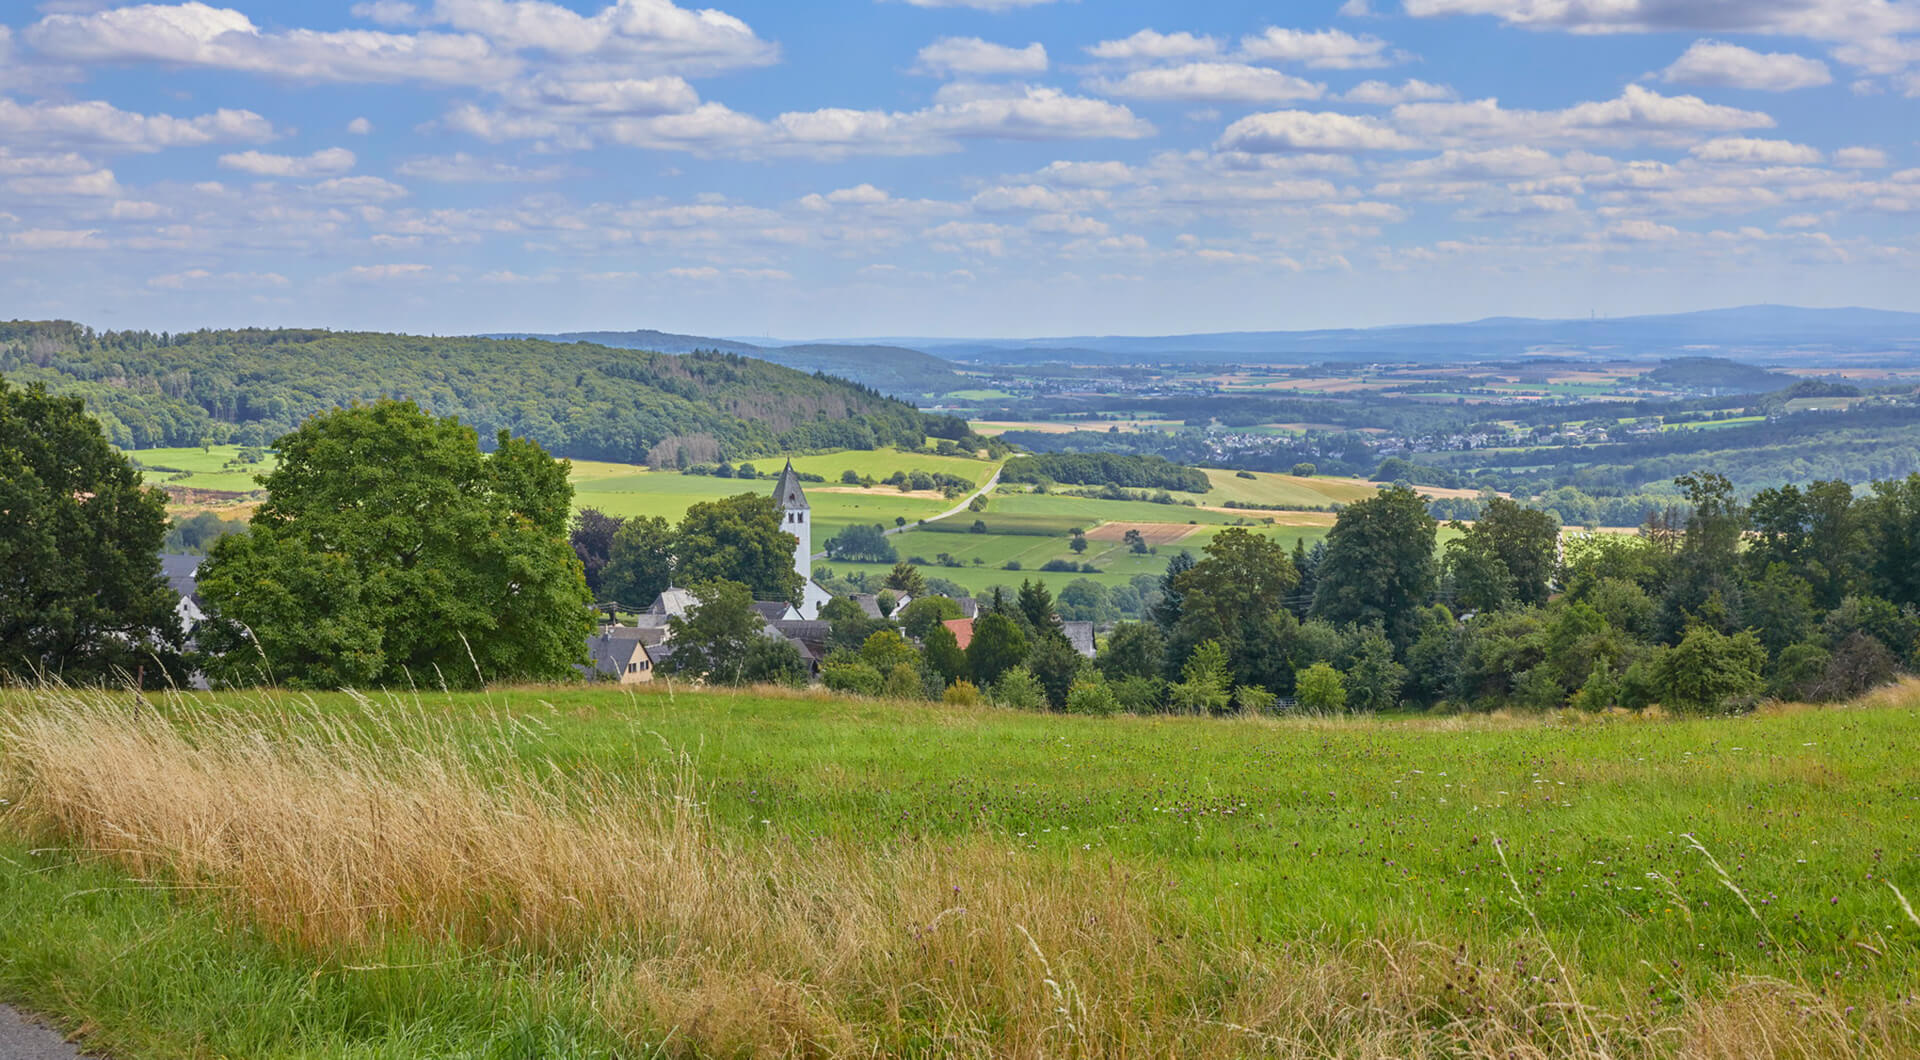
(1560, 885)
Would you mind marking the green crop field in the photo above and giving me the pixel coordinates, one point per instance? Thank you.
(215, 468)
(597, 873)
(1266, 488)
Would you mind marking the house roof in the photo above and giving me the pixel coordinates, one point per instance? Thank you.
(772, 610)
(813, 633)
(180, 569)
(673, 601)
(614, 647)
(962, 630)
(787, 494)
(1080, 635)
(969, 607)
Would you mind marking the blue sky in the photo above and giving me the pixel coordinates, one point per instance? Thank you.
(951, 167)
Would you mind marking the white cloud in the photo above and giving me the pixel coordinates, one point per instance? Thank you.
(1711, 62)
(381, 273)
(1152, 45)
(1860, 158)
(1820, 19)
(1382, 94)
(1211, 82)
(692, 272)
(207, 278)
(358, 189)
(360, 127)
(463, 168)
(1642, 231)
(57, 239)
(657, 32)
(99, 182)
(971, 55)
(13, 165)
(1331, 49)
(1638, 115)
(1301, 130)
(318, 164)
(99, 124)
(1761, 152)
(1087, 174)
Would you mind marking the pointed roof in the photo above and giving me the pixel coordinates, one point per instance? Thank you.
(787, 494)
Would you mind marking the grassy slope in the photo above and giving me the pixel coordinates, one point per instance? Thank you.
(1321, 835)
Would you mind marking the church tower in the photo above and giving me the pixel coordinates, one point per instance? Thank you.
(796, 518)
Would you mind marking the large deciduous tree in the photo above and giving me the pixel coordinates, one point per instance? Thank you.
(81, 597)
(1379, 565)
(738, 539)
(639, 561)
(592, 537)
(391, 551)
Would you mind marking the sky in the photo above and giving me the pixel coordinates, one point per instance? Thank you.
(840, 168)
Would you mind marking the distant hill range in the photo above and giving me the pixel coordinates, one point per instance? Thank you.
(1753, 333)
(579, 400)
(893, 370)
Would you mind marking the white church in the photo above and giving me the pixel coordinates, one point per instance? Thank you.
(796, 518)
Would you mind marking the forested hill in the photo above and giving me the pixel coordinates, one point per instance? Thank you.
(579, 400)
(893, 370)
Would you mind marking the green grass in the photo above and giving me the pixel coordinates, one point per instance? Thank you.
(1267, 488)
(216, 468)
(1280, 834)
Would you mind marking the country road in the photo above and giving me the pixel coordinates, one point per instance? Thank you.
(25, 1039)
(984, 489)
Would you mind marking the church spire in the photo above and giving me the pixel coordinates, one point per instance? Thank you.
(787, 494)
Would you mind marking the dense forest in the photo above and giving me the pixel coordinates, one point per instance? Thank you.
(578, 400)
(1106, 469)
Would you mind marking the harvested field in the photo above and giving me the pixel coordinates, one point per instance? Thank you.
(1154, 533)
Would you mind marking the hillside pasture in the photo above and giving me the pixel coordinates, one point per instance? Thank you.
(599, 873)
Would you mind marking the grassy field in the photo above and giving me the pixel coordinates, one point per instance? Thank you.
(1266, 488)
(574, 873)
(215, 468)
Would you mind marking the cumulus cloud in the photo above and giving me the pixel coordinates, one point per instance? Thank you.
(1331, 49)
(360, 127)
(1761, 152)
(1638, 115)
(1382, 94)
(971, 55)
(1150, 44)
(318, 164)
(463, 168)
(383, 273)
(96, 183)
(1860, 158)
(1821, 19)
(1303, 130)
(207, 278)
(980, 5)
(98, 124)
(57, 239)
(1210, 82)
(358, 189)
(1711, 62)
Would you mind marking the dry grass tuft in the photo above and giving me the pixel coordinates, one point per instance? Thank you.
(333, 840)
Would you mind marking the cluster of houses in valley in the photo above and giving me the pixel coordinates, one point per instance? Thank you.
(629, 654)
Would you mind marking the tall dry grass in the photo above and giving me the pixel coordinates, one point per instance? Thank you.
(333, 840)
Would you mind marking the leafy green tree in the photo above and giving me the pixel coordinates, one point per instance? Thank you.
(1056, 665)
(592, 538)
(1204, 682)
(1319, 689)
(1496, 649)
(1379, 565)
(1168, 609)
(903, 682)
(1241, 580)
(81, 595)
(738, 539)
(1433, 657)
(851, 626)
(1133, 649)
(923, 613)
(998, 646)
(1373, 678)
(1078, 543)
(1816, 534)
(711, 642)
(1524, 541)
(848, 674)
(1091, 694)
(1480, 581)
(390, 550)
(1892, 527)
(859, 544)
(1709, 671)
(1085, 600)
(905, 578)
(1578, 639)
(885, 649)
(943, 654)
(1017, 689)
(639, 561)
(1779, 608)
(773, 661)
(1035, 605)
(1707, 584)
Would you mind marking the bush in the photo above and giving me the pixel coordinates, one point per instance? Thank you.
(1057, 566)
(961, 694)
(903, 682)
(1140, 695)
(1017, 688)
(1244, 474)
(1252, 699)
(857, 678)
(1012, 564)
(1320, 689)
(1304, 470)
(1090, 695)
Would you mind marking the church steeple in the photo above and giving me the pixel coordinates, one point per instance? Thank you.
(787, 494)
(796, 518)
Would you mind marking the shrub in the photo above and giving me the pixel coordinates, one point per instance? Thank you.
(1252, 699)
(903, 682)
(961, 694)
(1012, 564)
(1091, 695)
(857, 678)
(1017, 688)
(1140, 695)
(1320, 689)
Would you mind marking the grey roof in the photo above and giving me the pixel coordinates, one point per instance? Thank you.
(613, 648)
(869, 604)
(813, 633)
(673, 601)
(969, 607)
(771, 610)
(180, 569)
(787, 494)
(1080, 635)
